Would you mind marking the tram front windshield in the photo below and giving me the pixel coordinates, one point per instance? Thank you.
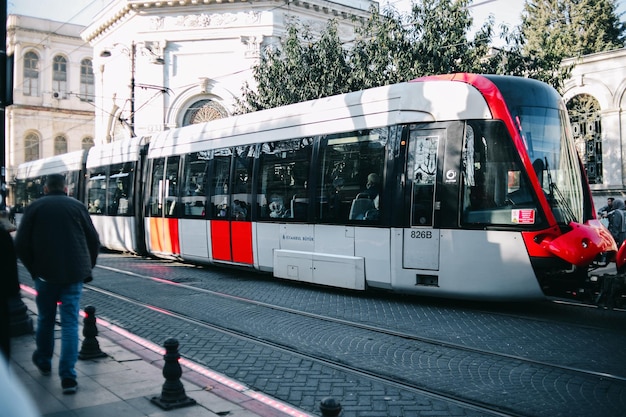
(546, 134)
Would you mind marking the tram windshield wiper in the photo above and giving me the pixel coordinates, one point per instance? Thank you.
(557, 199)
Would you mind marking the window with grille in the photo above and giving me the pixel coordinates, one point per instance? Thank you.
(584, 114)
(59, 76)
(87, 91)
(31, 147)
(87, 143)
(60, 145)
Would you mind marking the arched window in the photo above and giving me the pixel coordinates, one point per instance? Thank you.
(87, 143)
(59, 76)
(31, 74)
(87, 91)
(60, 145)
(204, 111)
(31, 147)
(584, 113)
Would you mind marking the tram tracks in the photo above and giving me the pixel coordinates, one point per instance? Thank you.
(380, 330)
(427, 352)
(341, 367)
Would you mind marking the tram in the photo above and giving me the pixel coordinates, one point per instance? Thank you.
(458, 186)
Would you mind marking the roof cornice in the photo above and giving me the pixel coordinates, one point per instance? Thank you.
(122, 10)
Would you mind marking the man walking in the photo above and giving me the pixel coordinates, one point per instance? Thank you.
(58, 244)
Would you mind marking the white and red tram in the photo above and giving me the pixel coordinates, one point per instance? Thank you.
(461, 185)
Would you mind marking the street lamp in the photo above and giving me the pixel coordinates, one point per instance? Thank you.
(156, 58)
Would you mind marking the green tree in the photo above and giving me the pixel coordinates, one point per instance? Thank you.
(388, 48)
(552, 30)
(382, 52)
(301, 69)
(441, 32)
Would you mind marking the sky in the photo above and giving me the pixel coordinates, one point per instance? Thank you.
(82, 11)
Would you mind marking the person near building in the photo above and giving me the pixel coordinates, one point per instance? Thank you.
(605, 210)
(617, 221)
(58, 244)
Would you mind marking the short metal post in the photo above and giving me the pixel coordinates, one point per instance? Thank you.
(330, 407)
(90, 349)
(173, 393)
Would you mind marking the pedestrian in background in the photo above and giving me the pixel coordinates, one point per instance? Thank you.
(58, 244)
(617, 221)
(9, 287)
(605, 210)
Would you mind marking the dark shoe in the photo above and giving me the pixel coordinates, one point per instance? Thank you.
(43, 370)
(69, 386)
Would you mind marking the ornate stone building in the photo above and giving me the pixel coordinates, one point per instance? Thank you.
(146, 66)
(596, 99)
(53, 95)
(160, 64)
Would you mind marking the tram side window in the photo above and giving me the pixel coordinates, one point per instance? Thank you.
(242, 183)
(170, 186)
(163, 197)
(71, 182)
(194, 193)
(219, 185)
(283, 179)
(20, 196)
(119, 189)
(96, 191)
(496, 190)
(155, 199)
(350, 185)
(28, 190)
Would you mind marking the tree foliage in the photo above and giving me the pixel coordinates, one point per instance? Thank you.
(387, 48)
(432, 39)
(552, 30)
(301, 70)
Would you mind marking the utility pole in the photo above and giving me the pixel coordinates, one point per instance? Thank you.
(5, 98)
(133, 57)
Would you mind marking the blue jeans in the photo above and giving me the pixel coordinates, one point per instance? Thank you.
(47, 297)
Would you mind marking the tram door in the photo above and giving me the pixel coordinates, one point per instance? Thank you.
(421, 240)
(162, 210)
(231, 202)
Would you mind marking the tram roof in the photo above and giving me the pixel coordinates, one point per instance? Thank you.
(117, 152)
(413, 102)
(71, 161)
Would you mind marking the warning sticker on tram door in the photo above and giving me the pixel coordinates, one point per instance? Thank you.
(523, 216)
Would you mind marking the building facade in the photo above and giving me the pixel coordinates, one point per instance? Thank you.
(146, 66)
(53, 95)
(160, 65)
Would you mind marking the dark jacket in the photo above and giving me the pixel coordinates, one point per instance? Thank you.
(56, 240)
(9, 288)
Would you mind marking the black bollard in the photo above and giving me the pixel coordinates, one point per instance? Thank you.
(90, 349)
(330, 407)
(21, 323)
(173, 393)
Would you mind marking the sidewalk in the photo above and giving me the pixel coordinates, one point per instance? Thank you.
(123, 382)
